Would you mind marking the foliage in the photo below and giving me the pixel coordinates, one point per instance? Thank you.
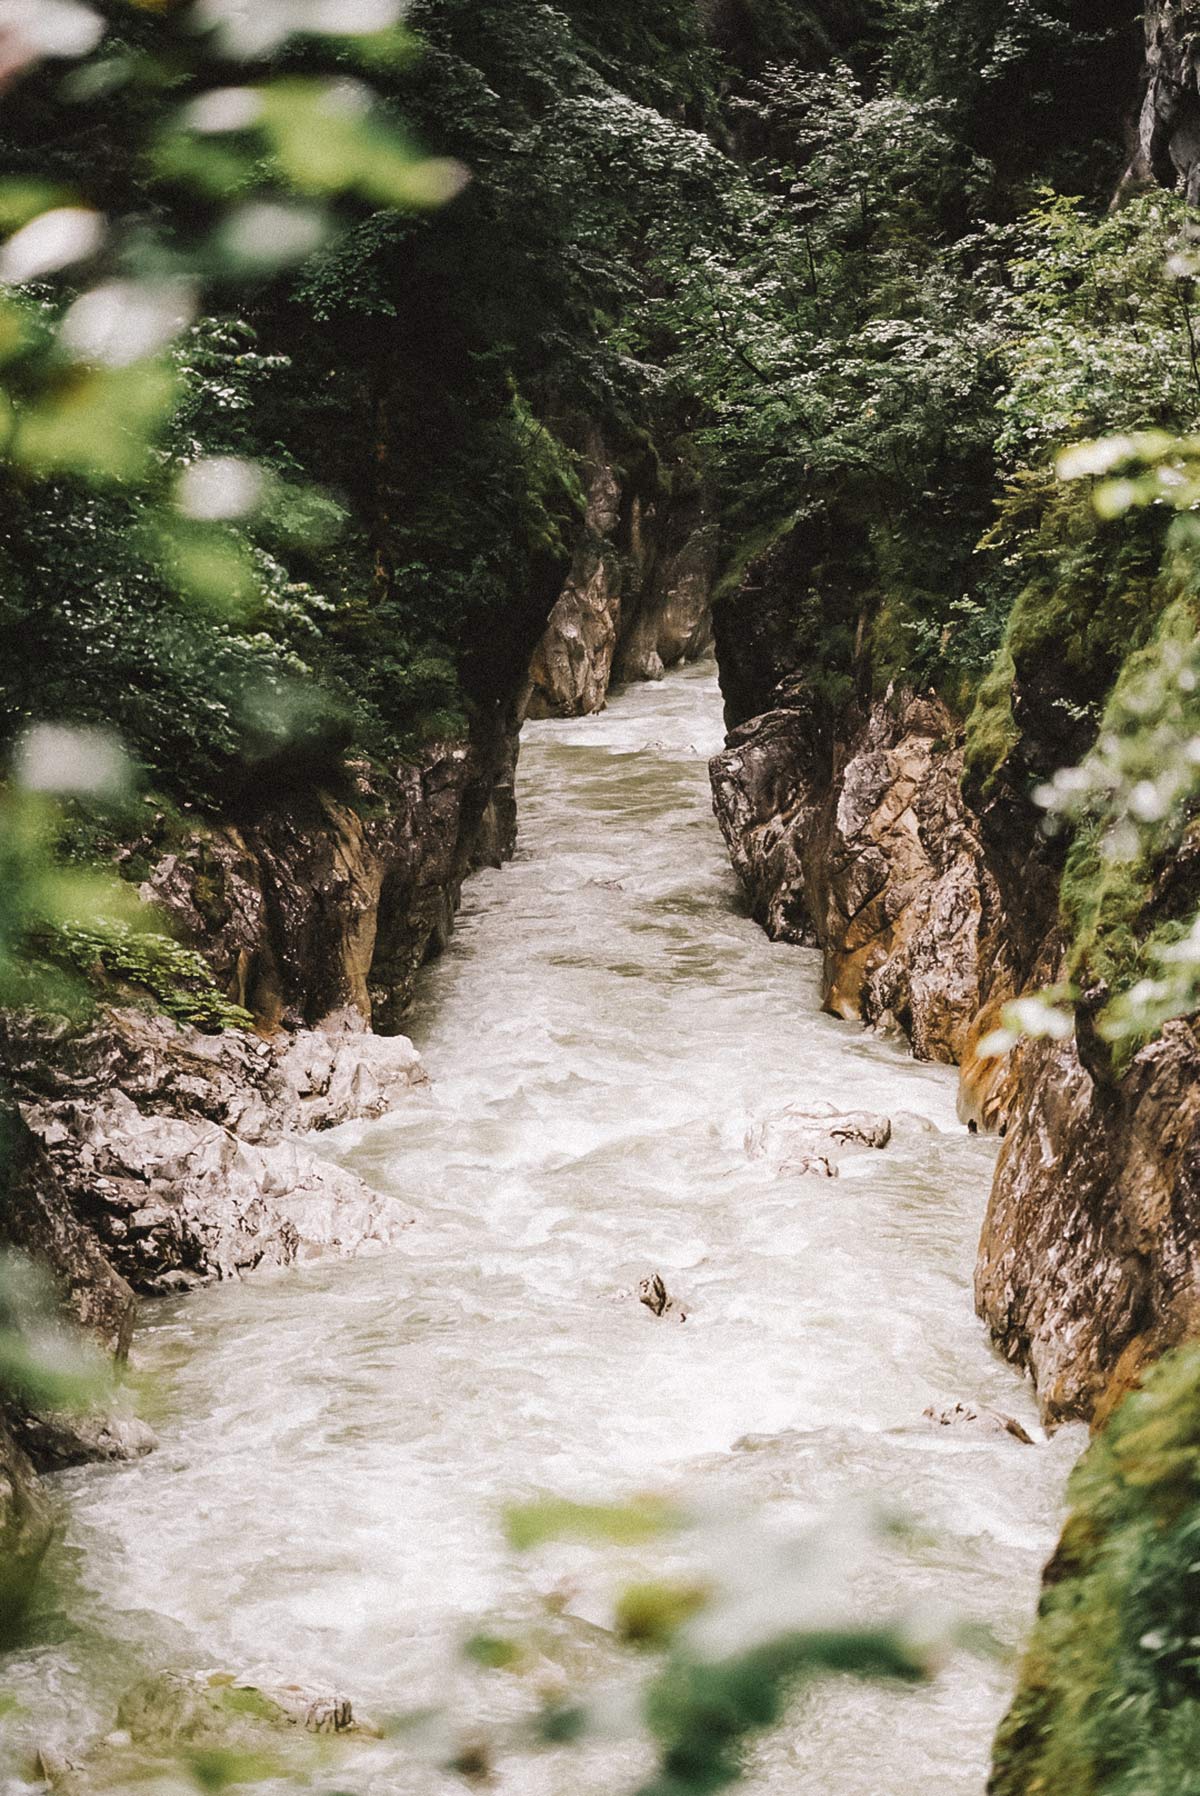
(178, 979)
(725, 1643)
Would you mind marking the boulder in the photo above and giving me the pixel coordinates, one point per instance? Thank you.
(814, 1138)
(654, 1294)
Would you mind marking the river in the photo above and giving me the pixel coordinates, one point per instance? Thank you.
(337, 1442)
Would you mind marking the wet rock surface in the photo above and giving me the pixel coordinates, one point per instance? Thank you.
(653, 1293)
(180, 1153)
(1089, 1264)
(875, 859)
(814, 1139)
(982, 1419)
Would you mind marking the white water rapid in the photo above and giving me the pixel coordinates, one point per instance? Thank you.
(337, 1442)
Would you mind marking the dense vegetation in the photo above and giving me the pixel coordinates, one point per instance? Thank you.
(853, 259)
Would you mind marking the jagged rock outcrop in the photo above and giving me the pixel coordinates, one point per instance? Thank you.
(1089, 1264)
(181, 1155)
(638, 598)
(572, 665)
(1166, 147)
(872, 854)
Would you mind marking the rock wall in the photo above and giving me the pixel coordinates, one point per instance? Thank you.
(1166, 146)
(849, 828)
(1089, 1265)
(871, 853)
(639, 594)
(320, 904)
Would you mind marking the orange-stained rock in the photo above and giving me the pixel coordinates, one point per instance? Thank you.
(1089, 1263)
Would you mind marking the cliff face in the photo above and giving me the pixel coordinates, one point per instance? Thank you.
(873, 856)
(850, 828)
(638, 596)
(319, 904)
(1166, 147)
(1089, 1265)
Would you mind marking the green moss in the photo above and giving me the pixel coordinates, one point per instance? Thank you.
(177, 980)
(1109, 1697)
(992, 733)
(747, 548)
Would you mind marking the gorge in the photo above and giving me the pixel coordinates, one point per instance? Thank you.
(518, 434)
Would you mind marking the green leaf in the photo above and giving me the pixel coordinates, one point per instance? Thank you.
(555, 1518)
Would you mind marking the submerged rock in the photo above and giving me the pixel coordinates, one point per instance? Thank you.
(218, 1708)
(813, 1138)
(174, 1718)
(991, 1421)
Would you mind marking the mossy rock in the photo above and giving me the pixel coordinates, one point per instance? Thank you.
(1108, 1702)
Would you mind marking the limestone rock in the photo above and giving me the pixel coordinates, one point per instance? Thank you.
(175, 1155)
(572, 666)
(654, 1294)
(875, 858)
(66, 1439)
(1089, 1265)
(814, 1138)
(638, 598)
(311, 903)
(668, 617)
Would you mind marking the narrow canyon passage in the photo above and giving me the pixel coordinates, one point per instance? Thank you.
(337, 1442)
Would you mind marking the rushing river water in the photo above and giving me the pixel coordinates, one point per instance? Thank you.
(337, 1442)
